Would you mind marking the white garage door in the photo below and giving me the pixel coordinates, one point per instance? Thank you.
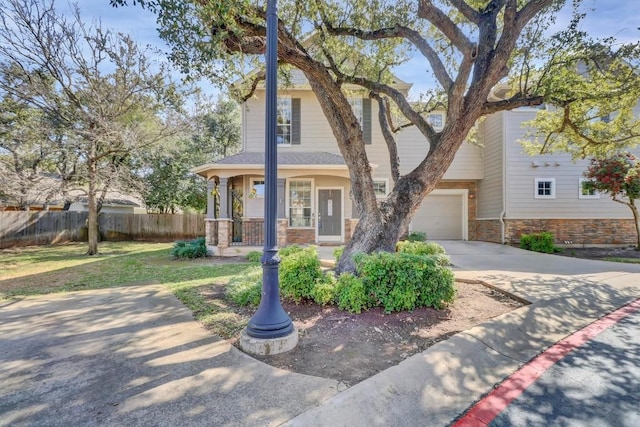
(441, 217)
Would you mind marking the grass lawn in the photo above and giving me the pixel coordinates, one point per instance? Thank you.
(48, 269)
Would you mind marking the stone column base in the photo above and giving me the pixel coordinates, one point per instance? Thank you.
(265, 347)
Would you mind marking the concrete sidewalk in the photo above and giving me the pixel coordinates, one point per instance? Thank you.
(135, 356)
(435, 387)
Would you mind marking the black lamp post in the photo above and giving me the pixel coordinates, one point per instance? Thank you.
(270, 320)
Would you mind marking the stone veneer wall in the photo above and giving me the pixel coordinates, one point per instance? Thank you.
(300, 236)
(577, 231)
(488, 230)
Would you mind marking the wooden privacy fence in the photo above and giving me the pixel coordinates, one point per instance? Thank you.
(44, 227)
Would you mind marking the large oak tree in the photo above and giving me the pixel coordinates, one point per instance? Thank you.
(467, 46)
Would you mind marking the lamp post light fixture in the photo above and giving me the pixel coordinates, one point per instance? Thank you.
(270, 322)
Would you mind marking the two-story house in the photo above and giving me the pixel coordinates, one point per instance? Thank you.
(493, 191)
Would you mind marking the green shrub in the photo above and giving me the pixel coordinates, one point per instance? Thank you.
(194, 249)
(337, 253)
(298, 273)
(420, 248)
(351, 294)
(539, 242)
(324, 290)
(289, 250)
(416, 236)
(246, 289)
(404, 281)
(254, 256)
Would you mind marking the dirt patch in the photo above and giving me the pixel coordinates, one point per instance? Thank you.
(352, 347)
(601, 253)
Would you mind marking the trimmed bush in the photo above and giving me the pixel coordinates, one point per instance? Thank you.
(539, 242)
(289, 250)
(299, 272)
(254, 256)
(324, 290)
(404, 281)
(194, 249)
(431, 249)
(417, 236)
(337, 253)
(351, 294)
(246, 289)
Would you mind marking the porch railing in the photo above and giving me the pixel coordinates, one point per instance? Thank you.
(248, 232)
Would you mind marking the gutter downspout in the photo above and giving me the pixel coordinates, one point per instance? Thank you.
(504, 182)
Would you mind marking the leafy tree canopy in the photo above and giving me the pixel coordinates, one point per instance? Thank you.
(468, 48)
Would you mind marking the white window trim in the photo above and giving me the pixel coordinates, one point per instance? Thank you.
(386, 186)
(251, 181)
(586, 196)
(313, 202)
(359, 113)
(290, 120)
(553, 188)
(437, 128)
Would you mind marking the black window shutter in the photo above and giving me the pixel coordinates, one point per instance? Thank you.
(366, 120)
(295, 121)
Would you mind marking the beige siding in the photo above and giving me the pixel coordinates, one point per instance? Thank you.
(490, 200)
(413, 147)
(315, 135)
(522, 172)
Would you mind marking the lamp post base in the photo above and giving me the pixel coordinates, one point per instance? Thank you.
(268, 346)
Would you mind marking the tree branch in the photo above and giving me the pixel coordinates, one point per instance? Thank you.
(409, 34)
(383, 117)
(426, 10)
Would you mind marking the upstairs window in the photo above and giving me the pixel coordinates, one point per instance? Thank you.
(586, 190)
(545, 188)
(288, 121)
(362, 110)
(436, 120)
(380, 188)
(284, 118)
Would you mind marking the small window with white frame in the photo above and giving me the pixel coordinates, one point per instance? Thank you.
(257, 189)
(586, 190)
(436, 120)
(545, 188)
(380, 188)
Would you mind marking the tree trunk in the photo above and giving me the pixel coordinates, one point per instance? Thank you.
(636, 218)
(92, 221)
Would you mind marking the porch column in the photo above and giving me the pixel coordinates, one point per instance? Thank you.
(211, 200)
(223, 193)
(281, 198)
(224, 222)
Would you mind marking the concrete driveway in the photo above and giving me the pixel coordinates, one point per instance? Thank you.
(436, 386)
(134, 356)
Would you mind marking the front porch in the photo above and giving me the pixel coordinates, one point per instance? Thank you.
(313, 204)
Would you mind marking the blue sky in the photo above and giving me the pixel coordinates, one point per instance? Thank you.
(618, 18)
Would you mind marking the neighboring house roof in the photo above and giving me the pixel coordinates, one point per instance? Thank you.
(114, 202)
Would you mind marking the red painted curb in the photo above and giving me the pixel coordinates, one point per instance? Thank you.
(483, 412)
